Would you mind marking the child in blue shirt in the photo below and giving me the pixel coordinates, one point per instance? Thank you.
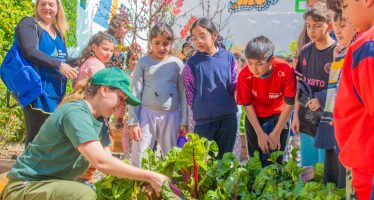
(210, 82)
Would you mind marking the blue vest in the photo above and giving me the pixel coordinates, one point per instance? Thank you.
(214, 96)
(53, 82)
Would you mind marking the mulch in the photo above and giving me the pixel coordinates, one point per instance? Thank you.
(11, 150)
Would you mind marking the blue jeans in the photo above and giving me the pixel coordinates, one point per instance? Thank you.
(310, 155)
(252, 140)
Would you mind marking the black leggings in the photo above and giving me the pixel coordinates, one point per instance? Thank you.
(333, 170)
(34, 119)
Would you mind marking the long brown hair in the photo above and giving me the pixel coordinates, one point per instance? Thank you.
(96, 39)
(60, 23)
(83, 89)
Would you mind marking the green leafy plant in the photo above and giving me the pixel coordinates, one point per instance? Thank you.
(12, 127)
(70, 8)
(198, 175)
(11, 13)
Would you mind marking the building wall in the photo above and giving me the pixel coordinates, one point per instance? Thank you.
(277, 19)
(281, 22)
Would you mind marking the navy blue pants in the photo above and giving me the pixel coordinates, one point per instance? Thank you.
(222, 131)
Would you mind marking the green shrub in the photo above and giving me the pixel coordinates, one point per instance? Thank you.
(12, 126)
(70, 8)
(11, 13)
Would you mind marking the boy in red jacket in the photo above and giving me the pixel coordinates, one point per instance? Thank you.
(354, 107)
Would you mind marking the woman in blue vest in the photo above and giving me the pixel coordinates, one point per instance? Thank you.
(41, 40)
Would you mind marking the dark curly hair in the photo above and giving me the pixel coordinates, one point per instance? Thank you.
(319, 12)
(334, 5)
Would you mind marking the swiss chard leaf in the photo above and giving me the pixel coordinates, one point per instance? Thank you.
(236, 184)
(167, 165)
(149, 160)
(168, 193)
(274, 156)
(193, 151)
(215, 195)
(222, 168)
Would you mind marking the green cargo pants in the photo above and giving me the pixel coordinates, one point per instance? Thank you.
(49, 189)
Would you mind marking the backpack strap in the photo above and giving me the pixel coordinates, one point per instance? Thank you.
(8, 94)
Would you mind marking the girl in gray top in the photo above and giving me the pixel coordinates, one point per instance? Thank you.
(158, 82)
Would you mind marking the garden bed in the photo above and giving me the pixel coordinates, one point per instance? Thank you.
(196, 174)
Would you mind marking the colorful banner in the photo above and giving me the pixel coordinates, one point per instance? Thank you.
(83, 4)
(249, 5)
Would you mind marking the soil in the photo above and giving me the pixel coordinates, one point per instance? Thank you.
(8, 155)
(11, 150)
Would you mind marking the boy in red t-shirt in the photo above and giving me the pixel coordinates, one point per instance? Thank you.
(354, 107)
(266, 88)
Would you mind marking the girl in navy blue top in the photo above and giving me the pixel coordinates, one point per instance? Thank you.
(210, 82)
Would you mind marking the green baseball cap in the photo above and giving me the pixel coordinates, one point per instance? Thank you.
(117, 78)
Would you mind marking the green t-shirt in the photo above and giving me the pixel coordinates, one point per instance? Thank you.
(53, 153)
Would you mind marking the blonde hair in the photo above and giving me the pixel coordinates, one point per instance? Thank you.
(60, 23)
(83, 89)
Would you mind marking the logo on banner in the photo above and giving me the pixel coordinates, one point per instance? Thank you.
(249, 5)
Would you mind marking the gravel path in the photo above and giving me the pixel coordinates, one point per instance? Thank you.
(11, 150)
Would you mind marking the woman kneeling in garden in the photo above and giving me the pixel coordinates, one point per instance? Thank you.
(73, 137)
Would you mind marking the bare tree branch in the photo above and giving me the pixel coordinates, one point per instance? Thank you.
(190, 10)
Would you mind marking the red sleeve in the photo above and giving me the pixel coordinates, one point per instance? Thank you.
(244, 88)
(364, 83)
